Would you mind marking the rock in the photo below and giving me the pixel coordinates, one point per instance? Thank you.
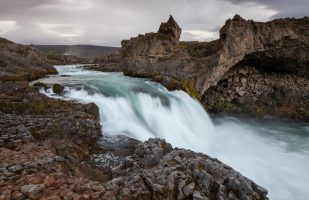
(33, 191)
(57, 88)
(244, 71)
(236, 79)
(93, 109)
(243, 81)
(18, 196)
(15, 168)
(59, 158)
(197, 196)
(171, 28)
(151, 47)
(152, 155)
(241, 93)
(241, 42)
(188, 189)
(49, 180)
(22, 63)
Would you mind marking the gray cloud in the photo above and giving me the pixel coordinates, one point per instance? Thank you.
(106, 22)
(284, 8)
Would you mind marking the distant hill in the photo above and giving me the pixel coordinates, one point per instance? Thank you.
(84, 51)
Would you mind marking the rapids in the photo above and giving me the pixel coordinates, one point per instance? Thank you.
(275, 155)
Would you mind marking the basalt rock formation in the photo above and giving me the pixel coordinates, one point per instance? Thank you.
(276, 47)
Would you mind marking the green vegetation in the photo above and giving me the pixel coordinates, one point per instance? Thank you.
(199, 49)
(37, 108)
(52, 70)
(222, 106)
(189, 88)
(159, 36)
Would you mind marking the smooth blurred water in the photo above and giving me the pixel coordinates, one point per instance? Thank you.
(275, 155)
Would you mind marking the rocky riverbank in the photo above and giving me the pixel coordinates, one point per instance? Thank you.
(277, 52)
(51, 149)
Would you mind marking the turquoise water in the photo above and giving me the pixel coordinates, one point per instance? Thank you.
(275, 155)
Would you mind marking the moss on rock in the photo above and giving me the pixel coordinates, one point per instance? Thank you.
(189, 87)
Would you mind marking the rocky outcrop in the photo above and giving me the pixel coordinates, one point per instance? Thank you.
(279, 46)
(277, 39)
(151, 47)
(284, 41)
(25, 113)
(20, 63)
(42, 140)
(157, 171)
(154, 171)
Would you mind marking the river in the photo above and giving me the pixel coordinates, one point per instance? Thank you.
(273, 154)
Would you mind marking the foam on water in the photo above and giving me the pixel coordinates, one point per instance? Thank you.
(275, 156)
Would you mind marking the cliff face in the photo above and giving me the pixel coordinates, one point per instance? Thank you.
(279, 40)
(279, 47)
(283, 41)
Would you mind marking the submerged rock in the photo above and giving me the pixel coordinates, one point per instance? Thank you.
(58, 89)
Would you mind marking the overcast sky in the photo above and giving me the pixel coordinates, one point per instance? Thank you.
(107, 22)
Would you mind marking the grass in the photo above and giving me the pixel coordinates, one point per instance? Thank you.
(199, 49)
(159, 36)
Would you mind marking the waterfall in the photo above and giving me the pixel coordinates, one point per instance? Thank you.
(143, 109)
(275, 156)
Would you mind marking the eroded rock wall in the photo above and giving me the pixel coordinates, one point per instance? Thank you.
(279, 46)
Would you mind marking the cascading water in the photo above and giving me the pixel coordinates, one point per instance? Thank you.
(275, 156)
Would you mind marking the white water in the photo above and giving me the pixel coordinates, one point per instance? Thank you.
(275, 156)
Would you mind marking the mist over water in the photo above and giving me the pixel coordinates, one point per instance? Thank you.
(274, 155)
